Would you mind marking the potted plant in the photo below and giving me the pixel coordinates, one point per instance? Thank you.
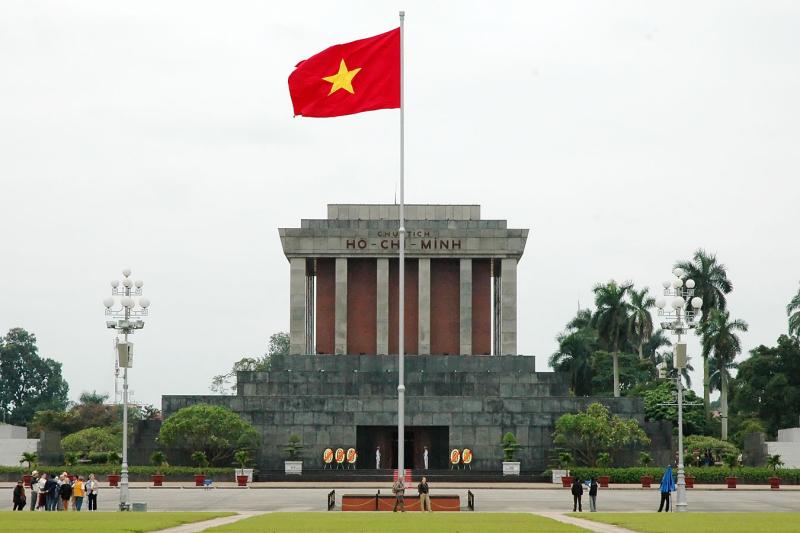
(510, 447)
(774, 462)
(645, 459)
(603, 461)
(564, 462)
(30, 458)
(201, 462)
(294, 461)
(159, 460)
(241, 458)
(113, 459)
(689, 479)
(732, 461)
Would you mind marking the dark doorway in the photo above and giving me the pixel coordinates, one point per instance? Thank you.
(436, 438)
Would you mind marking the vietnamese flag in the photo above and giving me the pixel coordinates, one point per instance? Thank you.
(349, 78)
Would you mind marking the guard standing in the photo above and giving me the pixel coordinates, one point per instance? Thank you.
(425, 456)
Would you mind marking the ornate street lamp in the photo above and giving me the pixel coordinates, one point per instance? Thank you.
(679, 317)
(127, 318)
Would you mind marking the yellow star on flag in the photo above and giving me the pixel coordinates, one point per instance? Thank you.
(342, 79)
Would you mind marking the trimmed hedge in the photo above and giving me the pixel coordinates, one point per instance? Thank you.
(102, 470)
(710, 475)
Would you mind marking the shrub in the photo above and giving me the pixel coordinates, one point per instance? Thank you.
(774, 462)
(510, 447)
(703, 475)
(604, 459)
(645, 459)
(293, 448)
(719, 448)
(90, 440)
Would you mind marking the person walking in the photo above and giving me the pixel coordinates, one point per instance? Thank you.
(425, 456)
(90, 489)
(78, 493)
(34, 489)
(666, 488)
(18, 497)
(424, 496)
(65, 492)
(577, 492)
(592, 484)
(399, 489)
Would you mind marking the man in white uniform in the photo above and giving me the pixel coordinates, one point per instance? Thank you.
(425, 456)
(378, 458)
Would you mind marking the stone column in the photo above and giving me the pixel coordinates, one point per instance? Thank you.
(424, 335)
(297, 305)
(340, 320)
(382, 312)
(465, 306)
(508, 307)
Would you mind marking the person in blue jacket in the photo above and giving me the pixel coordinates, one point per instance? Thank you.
(666, 488)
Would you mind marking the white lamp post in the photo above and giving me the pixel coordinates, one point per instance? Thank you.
(126, 319)
(679, 317)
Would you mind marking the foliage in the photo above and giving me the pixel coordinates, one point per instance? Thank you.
(91, 440)
(710, 475)
(28, 382)
(293, 448)
(732, 460)
(589, 433)
(97, 457)
(640, 322)
(633, 373)
(82, 469)
(565, 460)
(29, 458)
(774, 462)
(510, 446)
(745, 426)
(645, 458)
(666, 393)
(793, 311)
(159, 460)
(215, 430)
(225, 383)
(200, 459)
(242, 458)
(71, 458)
(93, 398)
(719, 448)
(611, 320)
(603, 459)
(574, 357)
(767, 386)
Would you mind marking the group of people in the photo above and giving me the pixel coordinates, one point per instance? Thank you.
(53, 492)
(666, 488)
(399, 490)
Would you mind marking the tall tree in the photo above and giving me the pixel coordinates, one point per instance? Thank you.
(28, 382)
(657, 341)
(711, 284)
(574, 357)
(582, 320)
(719, 340)
(641, 321)
(278, 345)
(793, 310)
(611, 319)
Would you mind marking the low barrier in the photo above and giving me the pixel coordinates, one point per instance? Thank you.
(331, 499)
(381, 502)
(470, 500)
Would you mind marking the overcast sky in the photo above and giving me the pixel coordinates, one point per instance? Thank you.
(158, 136)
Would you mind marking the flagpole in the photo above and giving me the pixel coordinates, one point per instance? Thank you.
(401, 388)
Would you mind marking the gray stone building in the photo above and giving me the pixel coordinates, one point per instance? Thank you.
(466, 385)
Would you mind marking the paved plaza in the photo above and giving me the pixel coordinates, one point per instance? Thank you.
(487, 499)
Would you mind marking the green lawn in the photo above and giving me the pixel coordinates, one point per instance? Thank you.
(700, 522)
(114, 522)
(353, 522)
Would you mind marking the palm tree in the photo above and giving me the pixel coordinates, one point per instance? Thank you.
(793, 310)
(583, 319)
(722, 345)
(657, 340)
(711, 284)
(668, 359)
(611, 319)
(574, 356)
(641, 321)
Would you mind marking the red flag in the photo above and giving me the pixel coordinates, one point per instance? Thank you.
(349, 78)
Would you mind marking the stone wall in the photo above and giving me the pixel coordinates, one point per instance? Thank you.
(324, 398)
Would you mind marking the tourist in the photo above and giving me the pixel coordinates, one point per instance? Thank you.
(592, 484)
(666, 488)
(50, 488)
(424, 496)
(19, 497)
(77, 493)
(65, 492)
(425, 456)
(34, 489)
(42, 499)
(399, 489)
(577, 492)
(90, 489)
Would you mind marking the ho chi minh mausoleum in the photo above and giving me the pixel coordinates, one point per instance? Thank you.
(466, 385)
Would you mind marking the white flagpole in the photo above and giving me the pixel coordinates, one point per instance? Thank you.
(401, 388)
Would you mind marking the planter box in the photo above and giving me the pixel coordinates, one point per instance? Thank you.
(158, 480)
(113, 480)
(775, 483)
(566, 481)
(241, 481)
(558, 474)
(26, 480)
(511, 468)
(293, 468)
(603, 481)
(647, 481)
(731, 482)
(689, 481)
(199, 479)
(246, 472)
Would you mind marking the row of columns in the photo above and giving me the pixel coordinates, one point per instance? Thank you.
(301, 309)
